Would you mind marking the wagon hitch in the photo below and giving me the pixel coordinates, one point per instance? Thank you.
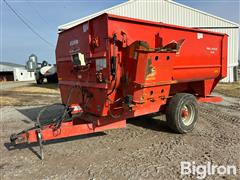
(39, 132)
(23, 136)
(36, 134)
(79, 123)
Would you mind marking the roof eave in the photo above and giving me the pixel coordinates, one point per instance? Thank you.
(86, 18)
(79, 21)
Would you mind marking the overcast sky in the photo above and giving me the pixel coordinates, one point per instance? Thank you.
(44, 16)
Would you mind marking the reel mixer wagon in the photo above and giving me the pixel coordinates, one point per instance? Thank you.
(111, 68)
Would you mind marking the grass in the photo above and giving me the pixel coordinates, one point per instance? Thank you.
(34, 88)
(9, 101)
(229, 89)
(33, 94)
(28, 100)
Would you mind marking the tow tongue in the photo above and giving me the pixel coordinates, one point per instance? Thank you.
(51, 127)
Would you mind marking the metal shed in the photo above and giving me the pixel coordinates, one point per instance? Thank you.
(14, 72)
(171, 12)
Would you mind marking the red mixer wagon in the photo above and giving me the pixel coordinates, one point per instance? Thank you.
(111, 68)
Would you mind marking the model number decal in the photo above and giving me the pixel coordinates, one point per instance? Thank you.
(212, 50)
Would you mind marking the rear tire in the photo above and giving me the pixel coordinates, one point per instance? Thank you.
(39, 81)
(182, 113)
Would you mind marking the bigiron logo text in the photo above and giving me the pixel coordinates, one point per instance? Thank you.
(201, 171)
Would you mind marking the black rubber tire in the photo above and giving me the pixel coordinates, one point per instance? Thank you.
(44, 63)
(49, 80)
(53, 78)
(39, 81)
(174, 112)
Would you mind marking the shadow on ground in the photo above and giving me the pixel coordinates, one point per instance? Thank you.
(46, 112)
(32, 146)
(154, 122)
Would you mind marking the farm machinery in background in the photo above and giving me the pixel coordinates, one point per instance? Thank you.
(42, 70)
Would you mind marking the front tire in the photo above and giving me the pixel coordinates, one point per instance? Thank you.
(182, 113)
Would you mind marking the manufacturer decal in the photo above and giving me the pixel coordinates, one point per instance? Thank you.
(73, 42)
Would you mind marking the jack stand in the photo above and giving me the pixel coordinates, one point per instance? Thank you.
(39, 135)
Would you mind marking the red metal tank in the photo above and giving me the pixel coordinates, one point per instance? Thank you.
(154, 61)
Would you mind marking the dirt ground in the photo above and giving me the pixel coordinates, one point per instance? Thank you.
(145, 149)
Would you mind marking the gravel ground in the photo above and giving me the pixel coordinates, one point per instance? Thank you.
(146, 149)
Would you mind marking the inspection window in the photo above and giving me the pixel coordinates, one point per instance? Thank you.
(78, 59)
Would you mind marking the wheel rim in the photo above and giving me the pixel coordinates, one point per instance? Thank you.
(187, 114)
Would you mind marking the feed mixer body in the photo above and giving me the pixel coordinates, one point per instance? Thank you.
(111, 68)
(132, 67)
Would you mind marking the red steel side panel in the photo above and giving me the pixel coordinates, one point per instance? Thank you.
(79, 40)
(224, 56)
(199, 57)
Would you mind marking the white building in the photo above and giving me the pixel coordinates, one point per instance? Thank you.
(15, 72)
(170, 12)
